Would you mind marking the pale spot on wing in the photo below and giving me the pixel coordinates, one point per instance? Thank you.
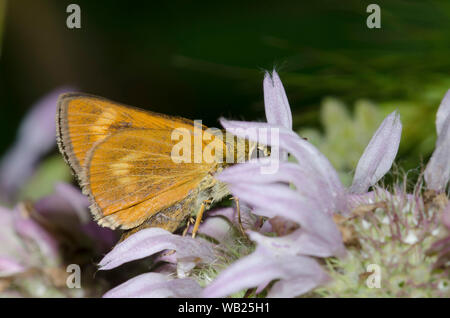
(121, 168)
(104, 121)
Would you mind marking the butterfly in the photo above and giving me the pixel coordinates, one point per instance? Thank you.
(123, 159)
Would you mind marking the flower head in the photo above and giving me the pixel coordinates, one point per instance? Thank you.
(305, 231)
(307, 193)
(39, 239)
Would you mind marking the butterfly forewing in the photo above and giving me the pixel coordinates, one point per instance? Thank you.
(122, 158)
(131, 176)
(84, 120)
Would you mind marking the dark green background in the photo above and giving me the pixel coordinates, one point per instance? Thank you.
(203, 60)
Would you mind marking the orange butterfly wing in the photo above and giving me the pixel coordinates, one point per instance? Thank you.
(122, 157)
(131, 176)
(83, 120)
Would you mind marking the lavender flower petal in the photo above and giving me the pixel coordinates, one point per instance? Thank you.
(437, 172)
(379, 154)
(37, 136)
(325, 243)
(278, 200)
(278, 111)
(9, 267)
(356, 200)
(248, 219)
(29, 229)
(311, 159)
(76, 199)
(216, 228)
(306, 182)
(11, 244)
(266, 227)
(298, 284)
(153, 240)
(443, 113)
(67, 207)
(261, 267)
(155, 285)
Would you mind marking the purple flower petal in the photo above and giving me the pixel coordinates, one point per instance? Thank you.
(278, 200)
(266, 227)
(67, 208)
(298, 284)
(306, 182)
(155, 285)
(379, 154)
(325, 243)
(216, 228)
(66, 205)
(278, 111)
(311, 160)
(443, 113)
(153, 240)
(11, 245)
(437, 172)
(76, 199)
(261, 267)
(248, 219)
(27, 228)
(37, 136)
(356, 200)
(9, 267)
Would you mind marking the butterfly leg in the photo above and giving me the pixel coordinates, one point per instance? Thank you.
(188, 224)
(238, 208)
(199, 217)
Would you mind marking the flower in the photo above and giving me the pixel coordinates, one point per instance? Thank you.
(394, 235)
(379, 155)
(67, 208)
(25, 243)
(306, 232)
(317, 195)
(437, 176)
(39, 239)
(278, 111)
(184, 251)
(188, 251)
(37, 136)
(442, 246)
(437, 172)
(155, 285)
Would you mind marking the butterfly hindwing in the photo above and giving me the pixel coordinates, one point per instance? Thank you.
(131, 176)
(122, 158)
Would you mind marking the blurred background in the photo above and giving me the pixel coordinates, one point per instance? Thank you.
(204, 60)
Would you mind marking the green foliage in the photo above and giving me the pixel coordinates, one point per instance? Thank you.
(49, 172)
(2, 21)
(345, 136)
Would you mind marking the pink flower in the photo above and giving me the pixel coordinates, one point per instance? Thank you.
(437, 172)
(37, 136)
(317, 194)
